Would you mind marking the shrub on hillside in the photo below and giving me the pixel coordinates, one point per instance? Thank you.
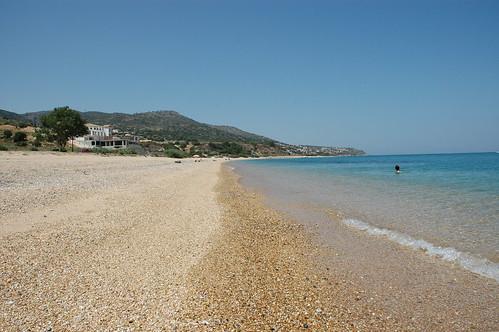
(3, 148)
(41, 135)
(7, 133)
(126, 152)
(174, 153)
(102, 151)
(20, 137)
(121, 152)
(228, 148)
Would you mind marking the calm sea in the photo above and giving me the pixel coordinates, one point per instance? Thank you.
(446, 205)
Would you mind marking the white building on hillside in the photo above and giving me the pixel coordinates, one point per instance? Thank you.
(102, 137)
(99, 131)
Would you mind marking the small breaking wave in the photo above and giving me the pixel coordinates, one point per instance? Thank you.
(480, 266)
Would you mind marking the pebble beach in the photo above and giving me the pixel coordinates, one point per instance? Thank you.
(145, 244)
(100, 243)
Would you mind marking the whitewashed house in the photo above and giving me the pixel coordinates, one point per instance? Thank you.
(99, 131)
(102, 137)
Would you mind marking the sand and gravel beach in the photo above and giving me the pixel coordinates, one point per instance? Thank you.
(144, 244)
(100, 243)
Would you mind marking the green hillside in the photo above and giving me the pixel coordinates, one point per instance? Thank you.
(12, 118)
(171, 133)
(243, 135)
(167, 125)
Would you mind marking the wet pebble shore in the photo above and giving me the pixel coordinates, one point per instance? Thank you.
(260, 276)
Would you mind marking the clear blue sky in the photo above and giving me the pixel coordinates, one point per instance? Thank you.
(384, 76)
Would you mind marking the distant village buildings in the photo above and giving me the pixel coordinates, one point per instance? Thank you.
(104, 137)
(312, 150)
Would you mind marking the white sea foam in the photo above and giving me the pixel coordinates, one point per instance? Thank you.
(481, 266)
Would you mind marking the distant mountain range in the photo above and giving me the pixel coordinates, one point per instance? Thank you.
(6, 116)
(173, 126)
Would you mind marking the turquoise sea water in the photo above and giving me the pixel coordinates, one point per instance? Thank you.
(446, 205)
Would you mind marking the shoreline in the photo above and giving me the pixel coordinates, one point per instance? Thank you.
(420, 291)
(150, 245)
(466, 261)
(259, 276)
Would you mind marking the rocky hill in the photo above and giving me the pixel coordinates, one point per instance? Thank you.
(12, 118)
(166, 125)
(169, 130)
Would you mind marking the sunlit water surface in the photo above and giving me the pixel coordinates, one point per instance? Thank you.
(444, 204)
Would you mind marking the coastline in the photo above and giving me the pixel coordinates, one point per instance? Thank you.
(263, 274)
(91, 243)
(420, 292)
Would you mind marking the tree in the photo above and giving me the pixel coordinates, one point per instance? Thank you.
(64, 123)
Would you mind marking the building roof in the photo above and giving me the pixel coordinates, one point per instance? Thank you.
(96, 125)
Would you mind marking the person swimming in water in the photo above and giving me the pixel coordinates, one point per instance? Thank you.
(397, 169)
